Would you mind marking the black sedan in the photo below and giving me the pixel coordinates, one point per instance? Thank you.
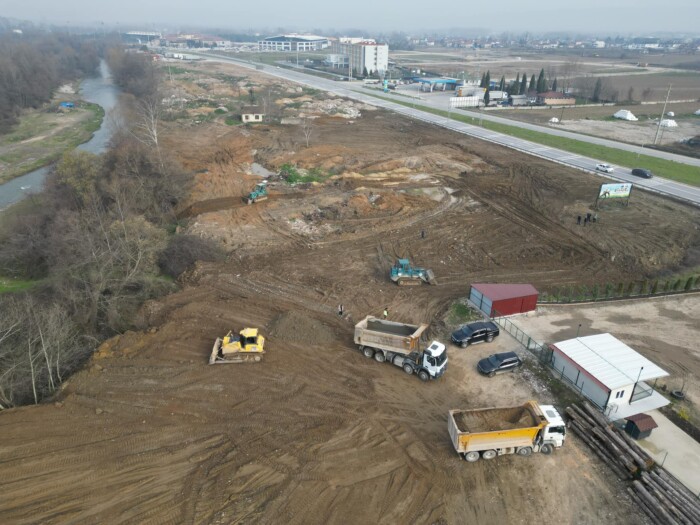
(497, 363)
(475, 333)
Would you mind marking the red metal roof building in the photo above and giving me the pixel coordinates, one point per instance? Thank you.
(504, 299)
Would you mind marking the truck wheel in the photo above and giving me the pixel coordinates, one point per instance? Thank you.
(423, 375)
(379, 356)
(525, 451)
(408, 369)
(471, 456)
(489, 339)
(464, 344)
(546, 449)
(489, 454)
(368, 352)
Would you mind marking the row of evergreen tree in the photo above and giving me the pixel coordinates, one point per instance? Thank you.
(520, 85)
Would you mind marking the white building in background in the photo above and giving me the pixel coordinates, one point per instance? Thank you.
(293, 42)
(355, 40)
(363, 56)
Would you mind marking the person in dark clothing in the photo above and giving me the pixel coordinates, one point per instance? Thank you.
(578, 220)
(585, 220)
(341, 310)
(422, 234)
(588, 216)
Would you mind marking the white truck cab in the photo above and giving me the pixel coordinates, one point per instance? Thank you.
(555, 431)
(435, 359)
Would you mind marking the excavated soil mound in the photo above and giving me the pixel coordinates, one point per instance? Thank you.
(493, 420)
(297, 328)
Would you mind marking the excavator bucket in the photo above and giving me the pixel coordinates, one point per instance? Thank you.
(430, 277)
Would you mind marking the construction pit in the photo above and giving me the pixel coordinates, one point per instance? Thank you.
(316, 433)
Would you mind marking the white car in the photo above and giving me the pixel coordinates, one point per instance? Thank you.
(607, 168)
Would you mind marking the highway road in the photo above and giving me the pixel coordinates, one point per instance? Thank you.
(685, 192)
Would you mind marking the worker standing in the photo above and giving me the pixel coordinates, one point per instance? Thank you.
(386, 312)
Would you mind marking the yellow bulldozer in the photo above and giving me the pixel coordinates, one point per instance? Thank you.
(246, 347)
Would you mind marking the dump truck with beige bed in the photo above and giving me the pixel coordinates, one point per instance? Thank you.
(401, 344)
(490, 432)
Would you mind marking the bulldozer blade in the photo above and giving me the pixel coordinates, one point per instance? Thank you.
(409, 281)
(237, 359)
(215, 351)
(431, 277)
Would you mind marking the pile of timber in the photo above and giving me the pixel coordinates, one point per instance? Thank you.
(663, 498)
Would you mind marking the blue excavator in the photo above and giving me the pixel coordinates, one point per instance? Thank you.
(403, 274)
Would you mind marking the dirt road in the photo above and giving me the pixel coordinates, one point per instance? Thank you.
(316, 433)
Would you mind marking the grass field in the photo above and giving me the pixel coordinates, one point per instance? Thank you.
(43, 136)
(663, 168)
(15, 285)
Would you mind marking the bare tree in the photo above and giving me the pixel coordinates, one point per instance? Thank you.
(307, 129)
(40, 346)
(149, 111)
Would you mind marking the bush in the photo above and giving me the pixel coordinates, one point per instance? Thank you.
(689, 284)
(620, 289)
(608, 290)
(655, 287)
(645, 288)
(184, 250)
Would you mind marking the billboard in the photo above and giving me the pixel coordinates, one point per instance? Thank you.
(619, 190)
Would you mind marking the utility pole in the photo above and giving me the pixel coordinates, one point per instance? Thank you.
(663, 112)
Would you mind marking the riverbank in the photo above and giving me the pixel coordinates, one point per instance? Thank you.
(44, 134)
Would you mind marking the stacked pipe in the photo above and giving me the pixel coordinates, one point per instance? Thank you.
(664, 499)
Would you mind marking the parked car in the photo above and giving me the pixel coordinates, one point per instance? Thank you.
(641, 172)
(497, 363)
(475, 333)
(607, 168)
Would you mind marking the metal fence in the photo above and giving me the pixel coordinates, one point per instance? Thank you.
(541, 350)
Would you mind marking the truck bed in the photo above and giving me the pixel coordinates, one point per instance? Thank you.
(495, 428)
(389, 327)
(389, 335)
(494, 419)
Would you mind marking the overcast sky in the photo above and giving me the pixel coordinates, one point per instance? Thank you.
(587, 16)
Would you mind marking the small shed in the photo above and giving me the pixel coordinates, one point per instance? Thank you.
(503, 299)
(609, 373)
(252, 114)
(639, 426)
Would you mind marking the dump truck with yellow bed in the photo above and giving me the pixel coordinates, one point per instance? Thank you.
(490, 432)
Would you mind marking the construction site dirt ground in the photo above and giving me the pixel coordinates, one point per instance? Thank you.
(316, 433)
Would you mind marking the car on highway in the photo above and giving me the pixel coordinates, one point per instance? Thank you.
(641, 172)
(498, 363)
(607, 168)
(477, 332)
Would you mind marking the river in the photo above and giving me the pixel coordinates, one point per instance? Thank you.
(99, 90)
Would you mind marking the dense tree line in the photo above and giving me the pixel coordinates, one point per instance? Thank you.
(33, 65)
(99, 238)
(133, 72)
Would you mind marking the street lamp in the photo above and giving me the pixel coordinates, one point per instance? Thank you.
(635, 385)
